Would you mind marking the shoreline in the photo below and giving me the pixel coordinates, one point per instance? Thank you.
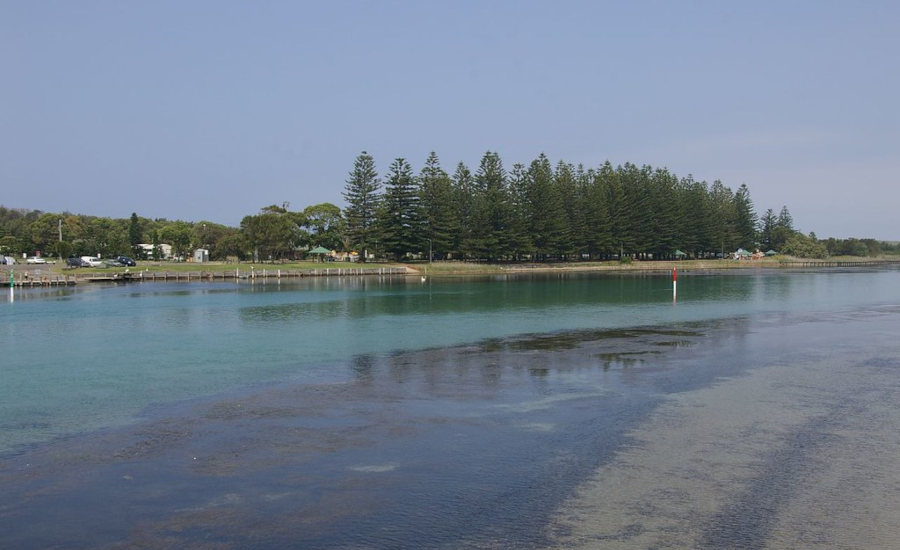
(30, 275)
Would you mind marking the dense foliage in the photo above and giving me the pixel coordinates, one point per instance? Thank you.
(535, 212)
(541, 211)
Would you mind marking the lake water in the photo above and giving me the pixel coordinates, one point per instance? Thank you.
(483, 413)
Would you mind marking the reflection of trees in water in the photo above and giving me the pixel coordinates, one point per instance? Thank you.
(543, 295)
(398, 296)
(463, 372)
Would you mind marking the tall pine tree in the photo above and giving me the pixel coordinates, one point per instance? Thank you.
(362, 196)
(596, 224)
(400, 221)
(439, 211)
(489, 237)
(745, 218)
(567, 187)
(519, 243)
(723, 216)
(783, 228)
(546, 212)
(463, 192)
(767, 229)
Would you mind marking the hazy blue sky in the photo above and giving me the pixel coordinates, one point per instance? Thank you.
(211, 110)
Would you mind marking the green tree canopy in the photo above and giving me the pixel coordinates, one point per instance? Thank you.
(272, 234)
(804, 246)
(178, 234)
(325, 224)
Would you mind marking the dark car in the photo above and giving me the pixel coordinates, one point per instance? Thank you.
(125, 260)
(75, 261)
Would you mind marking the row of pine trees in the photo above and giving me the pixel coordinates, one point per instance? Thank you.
(536, 212)
(543, 211)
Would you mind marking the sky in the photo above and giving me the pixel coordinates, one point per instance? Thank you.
(211, 110)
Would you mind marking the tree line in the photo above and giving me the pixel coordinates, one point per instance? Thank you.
(65, 234)
(542, 211)
(535, 212)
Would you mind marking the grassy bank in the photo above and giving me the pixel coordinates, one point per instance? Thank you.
(461, 268)
(438, 269)
(209, 267)
(467, 268)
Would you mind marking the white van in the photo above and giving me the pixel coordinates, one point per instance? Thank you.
(93, 260)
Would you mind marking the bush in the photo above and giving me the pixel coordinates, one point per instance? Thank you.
(801, 246)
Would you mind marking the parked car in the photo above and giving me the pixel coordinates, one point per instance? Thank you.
(7, 260)
(93, 261)
(35, 260)
(75, 261)
(125, 260)
(112, 262)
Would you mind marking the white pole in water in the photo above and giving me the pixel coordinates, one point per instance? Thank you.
(12, 286)
(674, 283)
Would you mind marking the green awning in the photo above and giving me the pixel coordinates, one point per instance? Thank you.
(771, 253)
(680, 253)
(319, 250)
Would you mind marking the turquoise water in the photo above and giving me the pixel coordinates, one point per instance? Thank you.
(98, 356)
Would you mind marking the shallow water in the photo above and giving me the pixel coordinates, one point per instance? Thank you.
(93, 357)
(484, 414)
(799, 451)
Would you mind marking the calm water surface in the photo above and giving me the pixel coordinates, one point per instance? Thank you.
(378, 413)
(97, 356)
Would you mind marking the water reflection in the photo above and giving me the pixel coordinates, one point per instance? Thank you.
(537, 356)
(37, 293)
(392, 298)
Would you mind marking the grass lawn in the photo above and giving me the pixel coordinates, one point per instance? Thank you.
(452, 268)
(219, 267)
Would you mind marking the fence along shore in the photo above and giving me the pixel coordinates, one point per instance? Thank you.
(37, 279)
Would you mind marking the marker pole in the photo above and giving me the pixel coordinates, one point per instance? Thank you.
(12, 286)
(674, 283)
